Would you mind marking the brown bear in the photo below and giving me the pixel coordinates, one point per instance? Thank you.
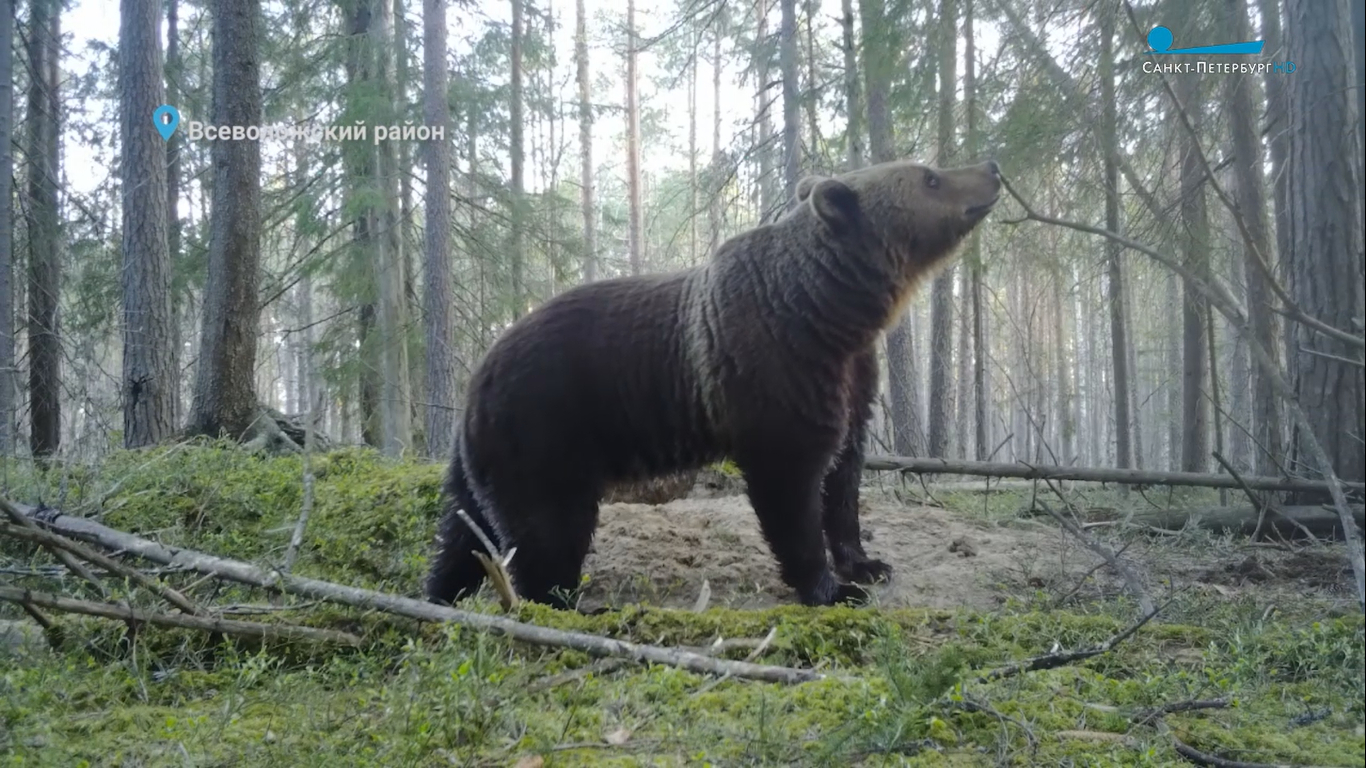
(765, 355)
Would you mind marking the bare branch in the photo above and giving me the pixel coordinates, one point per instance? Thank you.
(208, 624)
(56, 543)
(930, 465)
(1131, 579)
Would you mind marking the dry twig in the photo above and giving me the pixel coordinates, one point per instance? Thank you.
(1145, 601)
(1063, 658)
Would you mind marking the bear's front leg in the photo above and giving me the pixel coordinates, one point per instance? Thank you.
(839, 507)
(840, 491)
(786, 494)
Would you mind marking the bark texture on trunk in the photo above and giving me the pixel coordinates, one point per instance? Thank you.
(224, 389)
(941, 302)
(438, 295)
(1250, 191)
(590, 219)
(1325, 219)
(44, 229)
(9, 385)
(148, 382)
(1119, 337)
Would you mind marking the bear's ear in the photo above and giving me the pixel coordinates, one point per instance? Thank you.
(805, 186)
(836, 204)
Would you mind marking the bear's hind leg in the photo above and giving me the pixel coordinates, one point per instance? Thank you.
(551, 546)
(455, 572)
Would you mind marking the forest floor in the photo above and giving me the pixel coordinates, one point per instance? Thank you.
(1271, 633)
(954, 557)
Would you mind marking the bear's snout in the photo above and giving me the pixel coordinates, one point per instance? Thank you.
(979, 208)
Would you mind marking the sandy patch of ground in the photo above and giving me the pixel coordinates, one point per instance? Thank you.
(661, 555)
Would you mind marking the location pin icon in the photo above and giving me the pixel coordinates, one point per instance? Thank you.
(166, 118)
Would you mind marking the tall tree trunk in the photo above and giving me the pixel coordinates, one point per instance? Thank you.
(438, 296)
(516, 150)
(695, 36)
(1277, 127)
(405, 234)
(763, 114)
(963, 365)
(853, 97)
(1325, 204)
(787, 56)
(359, 161)
(1095, 400)
(1250, 191)
(636, 229)
(813, 86)
(941, 303)
(44, 229)
(1194, 247)
(174, 69)
(224, 387)
(1172, 333)
(9, 385)
(1359, 43)
(590, 218)
(390, 281)
(980, 393)
(902, 370)
(308, 391)
(1119, 341)
(368, 386)
(716, 187)
(1135, 377)
(1067, 428)
(148, 384)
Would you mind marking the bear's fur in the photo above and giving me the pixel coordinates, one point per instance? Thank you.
(765, 355)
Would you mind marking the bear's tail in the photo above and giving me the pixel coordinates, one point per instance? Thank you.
(455, 572)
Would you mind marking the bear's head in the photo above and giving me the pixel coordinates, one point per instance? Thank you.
(913, 214)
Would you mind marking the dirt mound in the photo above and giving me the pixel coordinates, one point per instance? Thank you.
(661, 555)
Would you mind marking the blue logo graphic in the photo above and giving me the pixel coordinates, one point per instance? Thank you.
(166, 118)
(1160, 41)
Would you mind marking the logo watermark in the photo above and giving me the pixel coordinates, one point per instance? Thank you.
(1160, 41)
(166, 118)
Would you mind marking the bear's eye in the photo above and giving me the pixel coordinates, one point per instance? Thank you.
(931, 179)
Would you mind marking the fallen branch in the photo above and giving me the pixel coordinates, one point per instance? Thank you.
(1135, 584)
(208, 624)
(57, 543)
(1262, 505)
(1314, 520)
(1063, 658)
(246, 573)
(64, 557)
(887, 463)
